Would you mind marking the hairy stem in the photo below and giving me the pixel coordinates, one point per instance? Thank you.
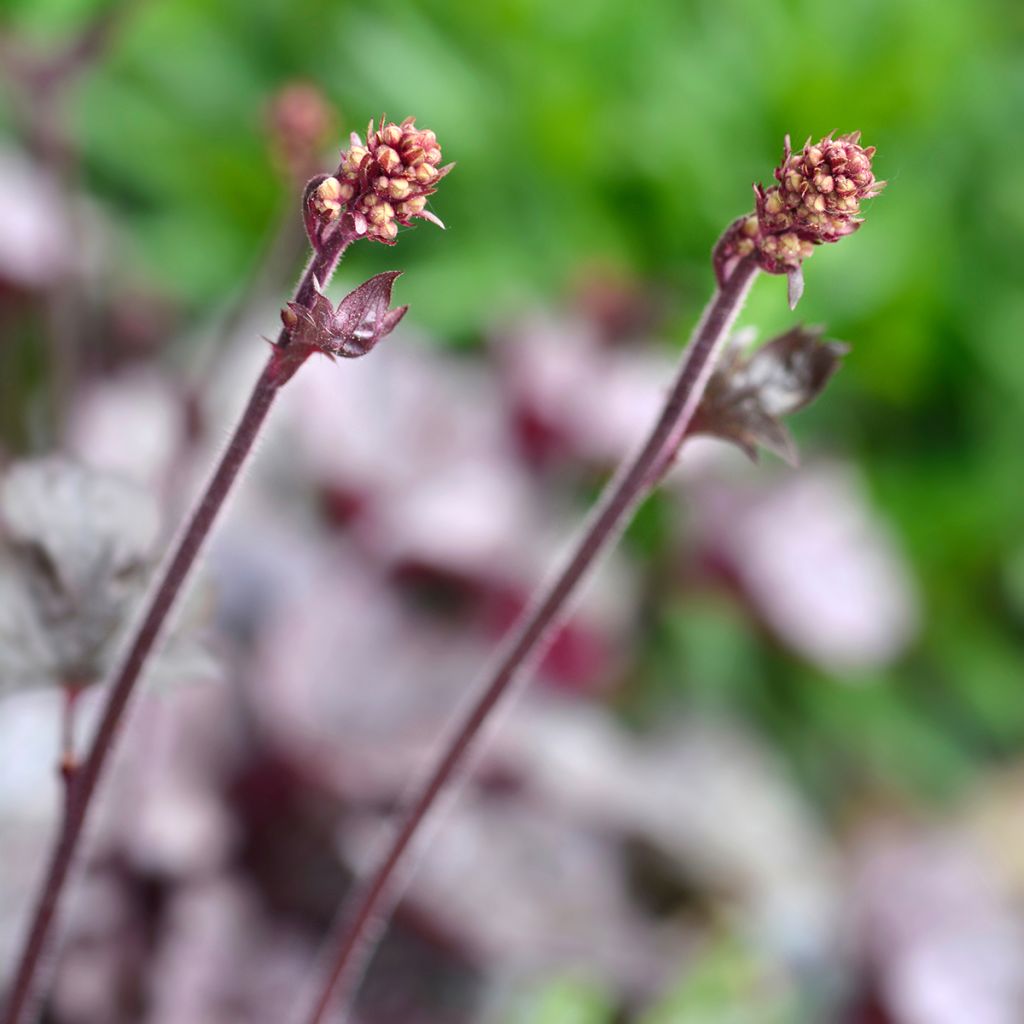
(144, 641)
(363, 918)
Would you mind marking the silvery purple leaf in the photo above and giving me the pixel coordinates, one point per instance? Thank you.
(72, 524)
(77, 548)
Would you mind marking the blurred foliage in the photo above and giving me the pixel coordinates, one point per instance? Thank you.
(722, 985)
(600, 134)
(586, 135)
(565, 1002)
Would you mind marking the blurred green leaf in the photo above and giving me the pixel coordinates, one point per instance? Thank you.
(566, 1002)
(725, 985)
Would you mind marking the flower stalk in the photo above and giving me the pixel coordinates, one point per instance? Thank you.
(361, 920)
(818, 202)
(309, 325)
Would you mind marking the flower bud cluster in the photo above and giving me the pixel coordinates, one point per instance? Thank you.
(817, 200)
(384, 182)
(820, 188)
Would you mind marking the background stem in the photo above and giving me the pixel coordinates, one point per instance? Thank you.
(363, 918)
(40, 89)
(145, 637)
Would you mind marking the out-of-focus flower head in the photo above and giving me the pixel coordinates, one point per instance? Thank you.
(300, 122)
(817, 200)
(383, 182)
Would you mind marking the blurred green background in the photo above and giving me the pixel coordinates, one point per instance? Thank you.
(627, 136)
(600, 133)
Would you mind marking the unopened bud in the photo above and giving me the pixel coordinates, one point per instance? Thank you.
(354, 159)
(824, 183)
(380, 213)
(411, 208)
(391, 135)
(388, 159)
(398, 188)
(328, 196)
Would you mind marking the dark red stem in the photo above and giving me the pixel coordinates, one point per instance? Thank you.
(363, 918)
(159, 604)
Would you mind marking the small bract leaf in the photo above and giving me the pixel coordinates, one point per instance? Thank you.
(362, 318)
(364, 315)
(748, 395)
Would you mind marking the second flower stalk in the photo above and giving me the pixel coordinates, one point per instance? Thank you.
(816, 201)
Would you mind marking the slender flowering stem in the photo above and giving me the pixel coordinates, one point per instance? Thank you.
(160, 602)
(363, 918)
